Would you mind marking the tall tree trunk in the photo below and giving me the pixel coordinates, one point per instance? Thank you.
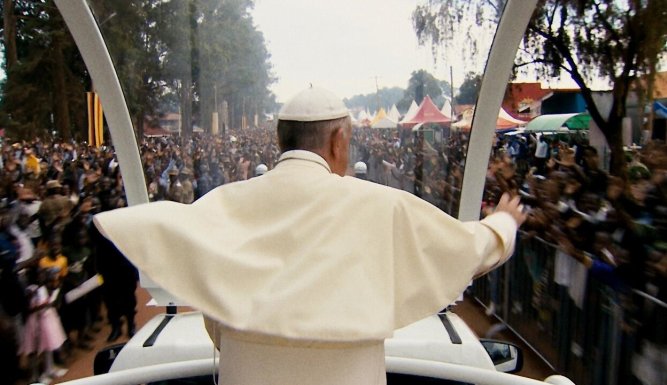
(61, 103)
(614, 136)
(186, 107)
(9, 24)
(139, 132)
(613, 130)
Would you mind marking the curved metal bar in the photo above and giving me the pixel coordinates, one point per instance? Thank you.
(511, 28)
(88, 38)
(203, 367)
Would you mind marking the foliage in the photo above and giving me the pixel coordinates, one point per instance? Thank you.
(386, 96)
(46, 80)
(422, 83)
(469, 89)
(192, 56)
(615, 40)
(171, 56)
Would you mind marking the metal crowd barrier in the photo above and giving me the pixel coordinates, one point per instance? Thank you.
(581, 327)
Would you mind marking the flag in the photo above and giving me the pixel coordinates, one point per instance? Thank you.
(95, 120)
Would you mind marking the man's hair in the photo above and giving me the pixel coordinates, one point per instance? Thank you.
(295, 135)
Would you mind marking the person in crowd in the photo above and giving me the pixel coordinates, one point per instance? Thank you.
(54, 260)
(594, 177)
(120, 283)
(265, 277)
(261, 169)
(541, 154)
(44, 333)
(13, 301)
(77, 316)
(360, 170)
(54, 209)
(188, 189)
(28, 219)
(174, 190)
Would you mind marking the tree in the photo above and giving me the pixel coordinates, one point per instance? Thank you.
(420, 84)
(615, 40)
(469, 89)
(169, 55)
(386, 96)
(46, 78)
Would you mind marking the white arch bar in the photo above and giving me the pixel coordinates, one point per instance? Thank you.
(88, 38)
(511, 29)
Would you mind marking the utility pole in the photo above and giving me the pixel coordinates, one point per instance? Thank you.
(377, 92)
(451, 86)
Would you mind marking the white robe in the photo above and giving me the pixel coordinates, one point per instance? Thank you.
(302, 256)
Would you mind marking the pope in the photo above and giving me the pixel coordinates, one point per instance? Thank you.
(305, 287)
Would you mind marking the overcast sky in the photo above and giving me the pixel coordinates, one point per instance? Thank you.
(343, 45)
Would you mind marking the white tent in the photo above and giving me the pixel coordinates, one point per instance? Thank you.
(363, 115)
(384, 123)
(354, 121)
(505, 121)
(502, 114)
(394, 114)
(412, 111)
(447, 110)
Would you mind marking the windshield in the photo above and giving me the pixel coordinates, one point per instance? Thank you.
(580, 135)
(204, 81)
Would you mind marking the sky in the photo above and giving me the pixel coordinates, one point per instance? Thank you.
(344, 45)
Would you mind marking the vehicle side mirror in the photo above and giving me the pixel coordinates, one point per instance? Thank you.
(506, 357)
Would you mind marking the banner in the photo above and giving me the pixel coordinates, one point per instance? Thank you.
(95, 120)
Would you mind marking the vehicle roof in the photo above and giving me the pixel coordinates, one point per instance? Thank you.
(182, 337)
(430, 340)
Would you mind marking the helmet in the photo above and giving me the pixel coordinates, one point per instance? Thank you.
(360, 168)
(261, 169)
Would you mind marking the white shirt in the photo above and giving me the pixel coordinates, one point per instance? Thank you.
(541, 149)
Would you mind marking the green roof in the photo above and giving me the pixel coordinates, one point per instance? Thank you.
(559, 122)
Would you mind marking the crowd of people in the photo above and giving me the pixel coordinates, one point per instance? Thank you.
(49, 191)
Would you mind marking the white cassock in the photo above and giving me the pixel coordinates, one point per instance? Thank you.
(306, 272)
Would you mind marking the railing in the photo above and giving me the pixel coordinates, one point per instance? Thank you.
(583, 328)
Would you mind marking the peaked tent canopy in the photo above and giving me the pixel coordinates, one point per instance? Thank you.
(393, 114)
(412, 111)
(354, 120)
(378, 116)
(363, 115)
(559, 122)
(427, 113)
(504, 122)
(384, 123)
(447, 109)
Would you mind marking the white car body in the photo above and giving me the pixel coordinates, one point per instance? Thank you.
(440, 347)
(184, 338)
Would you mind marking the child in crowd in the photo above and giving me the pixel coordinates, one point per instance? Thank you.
(43, 333)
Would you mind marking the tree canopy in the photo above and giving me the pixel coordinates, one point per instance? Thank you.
(185, 56)
(469, 89)
(421, 84)
(46, 79)
(614, 40)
